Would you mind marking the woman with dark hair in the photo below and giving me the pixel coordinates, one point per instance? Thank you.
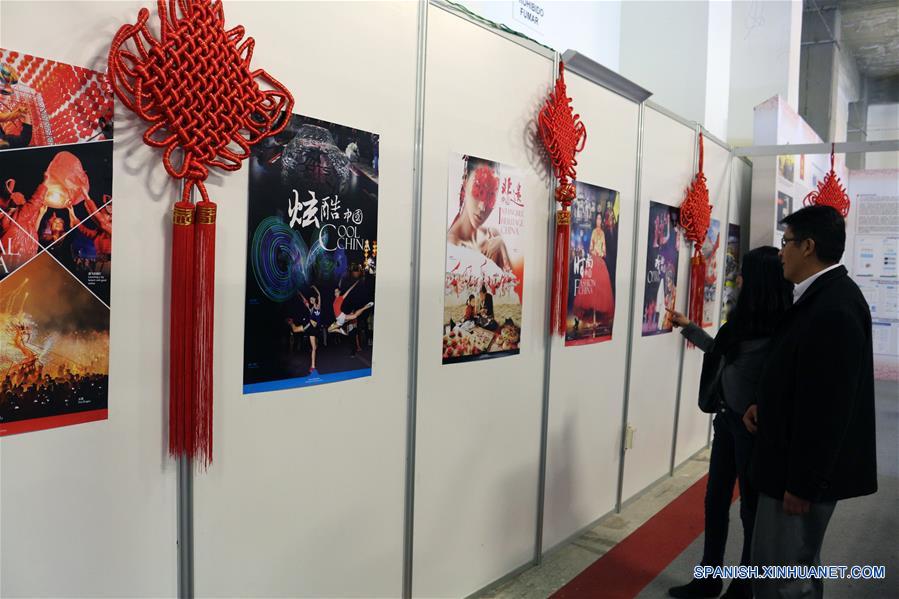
(732, 365)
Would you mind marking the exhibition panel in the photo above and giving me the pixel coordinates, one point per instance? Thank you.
(669, 148)
(307, 481)
(693, 424)
(90, 510)
(459, 444)
(588, 364)
(479, 400)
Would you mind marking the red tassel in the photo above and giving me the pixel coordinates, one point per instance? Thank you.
(181, 331)
(697, 287)
(559, 300)
(203, 331)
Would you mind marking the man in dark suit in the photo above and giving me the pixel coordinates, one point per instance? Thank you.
(814, 416)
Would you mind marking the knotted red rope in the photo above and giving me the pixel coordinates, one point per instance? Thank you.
(830, 191)
(563, 135)
(695, 217)
(195, 87)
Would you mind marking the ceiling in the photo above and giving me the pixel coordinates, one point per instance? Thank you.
(869, 31)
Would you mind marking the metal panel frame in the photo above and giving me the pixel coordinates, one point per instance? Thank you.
(414, 297)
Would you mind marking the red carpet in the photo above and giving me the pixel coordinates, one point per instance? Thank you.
(638, 559)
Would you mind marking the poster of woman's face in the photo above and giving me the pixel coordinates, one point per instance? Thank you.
(660, 286)
(484, 277)
(592, 262)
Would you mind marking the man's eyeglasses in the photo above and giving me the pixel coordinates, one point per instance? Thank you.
(785, 240)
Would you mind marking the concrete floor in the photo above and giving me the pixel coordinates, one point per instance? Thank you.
(862, 531)
(567, 561)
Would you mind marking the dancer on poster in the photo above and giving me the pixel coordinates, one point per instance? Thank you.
(731, 271)
(592, 265)
(710, 255)
(660, 290)
(784, 209)
(484, 260)
(312, 250)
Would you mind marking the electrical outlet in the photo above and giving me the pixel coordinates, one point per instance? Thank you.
(629, 437)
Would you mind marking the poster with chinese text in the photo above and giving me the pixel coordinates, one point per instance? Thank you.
(592, 264)
(55, 243)
(312, 249)
(660, 286)
(484, 277)
(710, 255)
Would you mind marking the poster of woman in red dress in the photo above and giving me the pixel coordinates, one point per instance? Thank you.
(592, 263)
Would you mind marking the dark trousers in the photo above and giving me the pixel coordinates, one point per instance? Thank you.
(785, 540)
(731, 453)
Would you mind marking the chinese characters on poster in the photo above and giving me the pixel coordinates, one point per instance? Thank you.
(484, 277)
(312, 251)
(660, 289)
(731, 269)
(592, 259)
(55, 243)
(710, 255)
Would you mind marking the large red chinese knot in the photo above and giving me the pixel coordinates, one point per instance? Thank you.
(695, 217)
(830, 191)
(563, 135)
(194, 85)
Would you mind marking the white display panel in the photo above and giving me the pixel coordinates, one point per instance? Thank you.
(90, 510)
(478, 426)
(693, 424)
(587, 381)
(668, 149)
(308, 484)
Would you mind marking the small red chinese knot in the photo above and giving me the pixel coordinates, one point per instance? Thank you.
(195, 86)
(563, 135)
(830, 191)
(695, 210)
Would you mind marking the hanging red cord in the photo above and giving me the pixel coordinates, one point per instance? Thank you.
(563, 135)
(195, 86)
(830, 191)
(695, 218)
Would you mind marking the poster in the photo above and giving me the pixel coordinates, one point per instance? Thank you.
(55, 244)
(785, 167)
(662, 249)
(44, 102)
(592, 263)
(484, 277)
(731, 270)
(312, 248)
(710, 255)
(784, 209)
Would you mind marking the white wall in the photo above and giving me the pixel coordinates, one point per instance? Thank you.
(587, 381)
(718, 75)
(664, 47)
(666, 171)
(478, 428)
(90, 510)
(883, 123)
(764, 61)
(692, 424)
(590, 27)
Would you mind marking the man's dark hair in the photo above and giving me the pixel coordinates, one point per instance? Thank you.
(823, 224)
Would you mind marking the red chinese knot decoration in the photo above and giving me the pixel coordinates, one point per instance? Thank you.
(563, 135)
(830, 191)
(695, 217)
(195, 87)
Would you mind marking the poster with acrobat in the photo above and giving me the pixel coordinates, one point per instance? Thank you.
(312, 249)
